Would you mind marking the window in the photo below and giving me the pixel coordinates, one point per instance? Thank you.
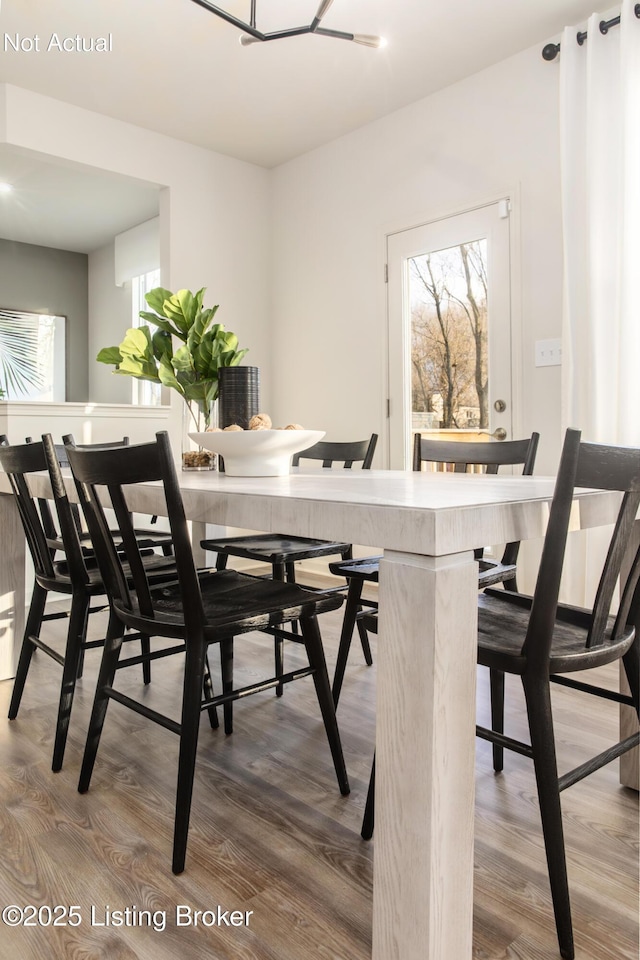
(145, 393)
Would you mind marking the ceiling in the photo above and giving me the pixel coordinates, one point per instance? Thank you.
(177, 69)
(268, 102)
(68, 207)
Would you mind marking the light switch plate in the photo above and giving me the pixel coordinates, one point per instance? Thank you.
(548, 353)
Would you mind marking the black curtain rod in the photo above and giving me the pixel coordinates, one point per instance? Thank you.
(551, 51)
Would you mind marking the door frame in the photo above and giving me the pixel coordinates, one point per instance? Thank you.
(515, 253)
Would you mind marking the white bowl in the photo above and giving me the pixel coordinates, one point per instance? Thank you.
(257, 453)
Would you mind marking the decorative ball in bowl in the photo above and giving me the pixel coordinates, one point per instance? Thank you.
(257, 453)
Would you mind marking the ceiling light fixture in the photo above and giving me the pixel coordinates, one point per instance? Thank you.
(251, 34)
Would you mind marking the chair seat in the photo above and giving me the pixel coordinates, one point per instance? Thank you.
(365, 568)
(274, 547)
(494, 571)
(502, 624)
(234, 603)
(157, 567)
(368, 568)
(148, 539)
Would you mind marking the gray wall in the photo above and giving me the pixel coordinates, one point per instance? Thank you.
(43, 280)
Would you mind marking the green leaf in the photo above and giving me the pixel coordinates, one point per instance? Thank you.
(137, 343)
(156, 298)
(139, 368)
(199, 298)
(182, 359)
(109, 355)
(172, 309)
(162, 323)
(162, 344)
(188, 306)
(167, 376)
(198, 390)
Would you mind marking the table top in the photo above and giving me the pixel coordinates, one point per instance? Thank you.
(424, 513)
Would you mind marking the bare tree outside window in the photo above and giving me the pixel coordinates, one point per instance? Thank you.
(448, 290)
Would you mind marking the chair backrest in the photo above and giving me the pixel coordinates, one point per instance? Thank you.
(18, 461)
(490, 455)
(48, 521)
(68, 515)
(599, 467)
(69, 440)
(117, 469)
(347, 453)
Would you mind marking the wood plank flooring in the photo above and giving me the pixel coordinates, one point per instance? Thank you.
(271, 834)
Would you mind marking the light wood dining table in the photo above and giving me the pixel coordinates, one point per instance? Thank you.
(427, 526)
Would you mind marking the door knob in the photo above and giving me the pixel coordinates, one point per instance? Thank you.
(500, 406)
(499, 434)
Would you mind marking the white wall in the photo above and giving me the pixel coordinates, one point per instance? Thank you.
(494, 133)
(109, 317)
(214, 210)
(317, 331)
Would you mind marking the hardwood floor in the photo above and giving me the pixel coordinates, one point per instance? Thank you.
(271, 834)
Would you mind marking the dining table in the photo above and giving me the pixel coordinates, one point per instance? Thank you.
(427, 526)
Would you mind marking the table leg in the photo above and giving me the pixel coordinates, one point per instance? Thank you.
(12, 586)
(198, 533)
(425, 736)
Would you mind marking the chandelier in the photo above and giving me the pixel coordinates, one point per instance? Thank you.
(251, 34)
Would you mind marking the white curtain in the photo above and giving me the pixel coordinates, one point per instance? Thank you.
(600, 158)
(600, 143)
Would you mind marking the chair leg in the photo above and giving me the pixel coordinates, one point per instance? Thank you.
(315, 653)
(108, 664)
(348, 622)
(290, 568)
(496, 681)
(364, 641)
(145, 645)
(80, 664)
(76, 635)
(226, 668)
(367, 821)
(32, 629)
(631, 661)
(207, 688)
(221, 561)
(189, 727)
(538, 698)
(279, 572)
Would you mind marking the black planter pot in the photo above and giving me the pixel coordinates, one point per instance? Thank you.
(238, 395)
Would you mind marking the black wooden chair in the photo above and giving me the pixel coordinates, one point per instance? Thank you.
(76, 575)
(543, 642)
(461, 456)
(198, 609)
(281, 551)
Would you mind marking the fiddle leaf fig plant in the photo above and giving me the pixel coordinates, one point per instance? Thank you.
(192, 369)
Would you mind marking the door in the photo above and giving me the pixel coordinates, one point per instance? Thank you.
(450, 330)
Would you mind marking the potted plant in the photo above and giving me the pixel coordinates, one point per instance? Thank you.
(192, 370)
